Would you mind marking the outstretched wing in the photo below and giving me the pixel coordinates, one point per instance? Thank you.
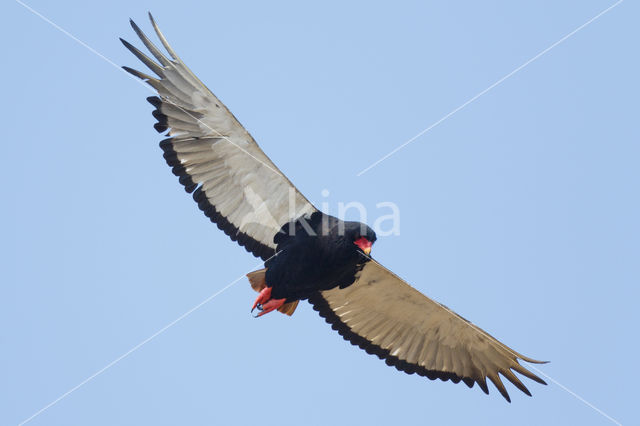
(234, 183)
(385, 316)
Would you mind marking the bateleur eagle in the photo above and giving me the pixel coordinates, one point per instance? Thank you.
(309, 255)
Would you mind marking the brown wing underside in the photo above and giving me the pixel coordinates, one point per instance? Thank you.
(386, 317)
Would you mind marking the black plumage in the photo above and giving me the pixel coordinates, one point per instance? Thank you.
(314, 254)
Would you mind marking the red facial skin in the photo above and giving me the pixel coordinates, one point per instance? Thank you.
(364, 244)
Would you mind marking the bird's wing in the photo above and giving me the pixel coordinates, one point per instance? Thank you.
(234, 183)
(385, 316)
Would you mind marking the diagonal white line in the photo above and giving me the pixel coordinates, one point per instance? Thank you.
(566, 389)
(65, 32)
(92, 50)
(135, 348)
(560, 385)
(578, 397)
(363, 171)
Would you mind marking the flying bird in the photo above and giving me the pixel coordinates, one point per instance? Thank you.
(309, 255)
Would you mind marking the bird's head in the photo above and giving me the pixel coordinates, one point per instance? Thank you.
(361, 235)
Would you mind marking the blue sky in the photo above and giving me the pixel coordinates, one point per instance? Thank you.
(520, 211)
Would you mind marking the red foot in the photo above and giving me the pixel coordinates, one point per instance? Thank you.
(262, 298)
(271, 305)
(265, 303)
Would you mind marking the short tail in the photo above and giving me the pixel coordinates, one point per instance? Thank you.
(257, 279)
(289, 308)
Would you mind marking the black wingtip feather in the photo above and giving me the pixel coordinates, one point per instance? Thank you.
(163, 121)
(155, 101)
(500, 386)
(482, 384)
(134, 25)
(136, 73)
(520, 369)
(508, 374)
(160, 128)
(128, 45)
(159, 116)
(162, 125)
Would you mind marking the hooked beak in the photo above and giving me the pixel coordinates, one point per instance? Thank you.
(364, 245)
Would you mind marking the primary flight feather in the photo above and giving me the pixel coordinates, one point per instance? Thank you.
(309, 255)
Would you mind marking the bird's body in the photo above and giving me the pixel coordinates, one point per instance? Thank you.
(309, 255)
(316, 257)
